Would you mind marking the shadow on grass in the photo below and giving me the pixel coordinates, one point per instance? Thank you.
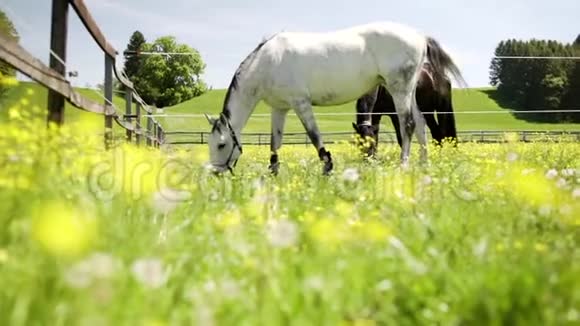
(507, 103)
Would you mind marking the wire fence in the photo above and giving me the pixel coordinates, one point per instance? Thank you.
(389, 137)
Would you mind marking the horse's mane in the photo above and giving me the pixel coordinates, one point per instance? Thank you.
(234, 83)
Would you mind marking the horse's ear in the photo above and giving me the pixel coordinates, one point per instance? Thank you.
(210, 119)
(355, 127)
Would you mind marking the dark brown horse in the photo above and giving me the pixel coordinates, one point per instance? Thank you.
(429, 99)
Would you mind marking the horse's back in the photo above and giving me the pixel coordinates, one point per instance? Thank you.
(329, 69)
(338, 66)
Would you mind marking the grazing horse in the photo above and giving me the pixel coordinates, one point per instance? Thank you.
(295, 71)
(429, 99)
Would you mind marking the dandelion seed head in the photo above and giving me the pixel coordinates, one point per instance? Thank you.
(350, 175)
(561, 183)
(282, 233)
(568, 172)
(384, 285)
(314, 282)
(166, 200)
(551, 173)
(149, 272)
(511, 156)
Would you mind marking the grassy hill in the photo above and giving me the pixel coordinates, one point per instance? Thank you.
(480, 99)
(27, 96)
(30, 99)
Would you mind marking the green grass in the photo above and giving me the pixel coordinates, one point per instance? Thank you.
(484, 235)
(35, 95)
(463, 100)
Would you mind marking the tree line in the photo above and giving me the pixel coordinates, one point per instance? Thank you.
(538, 84)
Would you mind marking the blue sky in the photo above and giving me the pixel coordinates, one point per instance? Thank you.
(225, 31)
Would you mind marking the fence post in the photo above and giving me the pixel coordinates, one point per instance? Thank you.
(108, 100)
(138, 124)
(58, 38)
(155, 130)
(201, 136)
(128, 108)
(159, 134)
(149, 130)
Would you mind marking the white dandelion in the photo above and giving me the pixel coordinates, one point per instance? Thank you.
(466, 195)
(576, 193)
(384, 285)
(314, 282)
(568, 172)
(561, 183)
(78, 276)
(350, 174)
(282, 233)
(96, 266)
(511, 157)
(480, 248)
(149, 272)
(103, 265)
(166, 199)
(545, 210)
(552, 173)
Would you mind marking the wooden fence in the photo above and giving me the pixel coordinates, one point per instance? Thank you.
(301, 138)
(60, 89)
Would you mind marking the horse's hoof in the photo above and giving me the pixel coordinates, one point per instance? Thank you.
(327, 168)
(274, 168)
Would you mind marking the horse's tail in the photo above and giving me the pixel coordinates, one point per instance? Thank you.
(442, 63)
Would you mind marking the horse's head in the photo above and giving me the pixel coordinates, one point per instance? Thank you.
(366, 138)
(224, 146)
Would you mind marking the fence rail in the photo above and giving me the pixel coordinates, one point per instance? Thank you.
(60, 89)
(185, 137)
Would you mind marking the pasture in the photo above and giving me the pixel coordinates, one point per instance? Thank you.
(212, 102)
(484, 235)
(473, 99)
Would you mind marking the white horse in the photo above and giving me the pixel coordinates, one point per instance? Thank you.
(299, 70)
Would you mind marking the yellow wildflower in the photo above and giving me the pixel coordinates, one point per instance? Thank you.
(63, 230)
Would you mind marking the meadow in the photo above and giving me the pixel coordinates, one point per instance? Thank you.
(475, 99)
(482, 235)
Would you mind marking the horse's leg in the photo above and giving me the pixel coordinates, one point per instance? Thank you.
(420, 131)
(278, 121)
(376, 122)
(433, 127)
(403, 105)
(304, 112)
(365, 122)
(397, 126)
(447, 118)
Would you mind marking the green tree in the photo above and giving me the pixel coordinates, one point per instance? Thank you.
(6, 29)
(133, 61)
(532, 84)
(572, 98)
(172, 76)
